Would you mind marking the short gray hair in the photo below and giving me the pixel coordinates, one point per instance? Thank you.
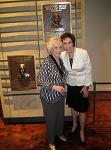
(52, 41)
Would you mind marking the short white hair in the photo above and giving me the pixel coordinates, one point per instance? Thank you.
(52, 41)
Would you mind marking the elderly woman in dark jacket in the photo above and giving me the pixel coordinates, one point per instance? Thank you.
(52, 82)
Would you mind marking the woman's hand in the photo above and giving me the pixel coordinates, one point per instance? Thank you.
(85, 91)
(58, 88)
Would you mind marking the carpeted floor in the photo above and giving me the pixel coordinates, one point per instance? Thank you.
(34, 136)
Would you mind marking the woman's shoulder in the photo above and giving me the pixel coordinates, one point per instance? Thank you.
(46, 61)
(81, 51)
(63, 54)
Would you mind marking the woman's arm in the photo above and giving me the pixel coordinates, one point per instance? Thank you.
(44, 75)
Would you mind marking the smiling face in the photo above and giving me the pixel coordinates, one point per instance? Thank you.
(68, 45)
(57, 49)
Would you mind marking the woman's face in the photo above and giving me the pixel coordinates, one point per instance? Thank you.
(68, 45)
(57, 49)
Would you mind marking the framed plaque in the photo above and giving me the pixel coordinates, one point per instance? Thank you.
(56, 19)
(22, 72)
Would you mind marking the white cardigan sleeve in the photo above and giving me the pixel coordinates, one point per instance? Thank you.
(88, 71)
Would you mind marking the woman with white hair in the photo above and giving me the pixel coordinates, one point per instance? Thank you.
(52, 82)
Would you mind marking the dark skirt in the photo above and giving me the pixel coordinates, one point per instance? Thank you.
(76, 100)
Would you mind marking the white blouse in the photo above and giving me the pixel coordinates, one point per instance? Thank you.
(80, 73)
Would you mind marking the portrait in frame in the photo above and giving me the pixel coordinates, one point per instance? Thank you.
(56, 19)
(22, 72)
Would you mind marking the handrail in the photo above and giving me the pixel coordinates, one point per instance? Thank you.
(94, 96)
(101, 82)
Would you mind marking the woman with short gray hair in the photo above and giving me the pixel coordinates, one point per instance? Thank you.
(52, 82)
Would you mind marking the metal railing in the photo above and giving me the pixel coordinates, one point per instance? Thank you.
(96, 99)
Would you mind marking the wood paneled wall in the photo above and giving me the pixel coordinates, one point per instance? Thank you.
(21, 33)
